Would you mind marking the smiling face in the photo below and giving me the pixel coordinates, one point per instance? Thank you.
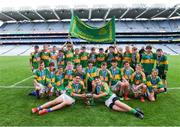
(154, 73)
(77, 79)
(97, 81)
(41, 66)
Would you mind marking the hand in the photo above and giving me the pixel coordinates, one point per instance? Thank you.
(49, 86)
(83, 95)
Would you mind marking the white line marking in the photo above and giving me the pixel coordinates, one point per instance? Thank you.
(16, 87)
(175, 88)
(21, 81)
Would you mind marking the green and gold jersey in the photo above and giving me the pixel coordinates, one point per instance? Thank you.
(103, 88)
(59, 79)
(101, 57)
(105, 75)
(41, 76)
(91, 73)
(77, 88)
(92, 57)
(162, 63)
(69, 74)
(77, 59)
(127, 56)
(82, 75)
(45, 56)
(119, 59)
(69, 55)
(138, 78)
(35, 59)
(127, 72)
(135, 58)
(116, 75)
(61, 61)
(51, 77)
(148, 61)
(154, 82)
(54, 55)
(84, 59)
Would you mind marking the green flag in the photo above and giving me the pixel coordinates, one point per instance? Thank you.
(82, 30)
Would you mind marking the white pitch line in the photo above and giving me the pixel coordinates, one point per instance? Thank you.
(16, 87)
(21, 81)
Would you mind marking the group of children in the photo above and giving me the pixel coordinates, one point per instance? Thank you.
(109, 75)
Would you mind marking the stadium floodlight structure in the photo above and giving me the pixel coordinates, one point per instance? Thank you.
(82, 11)
(63, 12)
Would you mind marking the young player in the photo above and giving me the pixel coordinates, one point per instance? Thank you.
(41, 81)
(69, 73)
(101, 57)
(59, 80)
(77, 59)
(102, 92)
(54, 55)
(105, 74)
(127, 71)
(119, 56)
(110, 55)
(69, 53)
(148, 60)
(84, 57)
(75, 90)
(135, 57)
(79, 71)
(154, 85)
(119, 84)
(35, 58)
(61, 59)
(45, 55)
(51, 78)
(93, 55)
(138, 81)
(127, 56)
(162, 66)
(91, 72)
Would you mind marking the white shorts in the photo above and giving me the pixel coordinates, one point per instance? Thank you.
(66, 98)
(109, 101)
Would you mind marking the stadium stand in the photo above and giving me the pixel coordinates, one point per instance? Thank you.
(135, 25)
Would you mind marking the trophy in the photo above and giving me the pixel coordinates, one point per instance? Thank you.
(89, 99)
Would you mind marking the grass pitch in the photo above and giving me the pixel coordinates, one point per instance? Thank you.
(15, 104)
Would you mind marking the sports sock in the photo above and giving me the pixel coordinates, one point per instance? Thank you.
(39, 108)
(133, 111)
(49, 110)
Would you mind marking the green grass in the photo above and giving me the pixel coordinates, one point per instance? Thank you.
(15, 104)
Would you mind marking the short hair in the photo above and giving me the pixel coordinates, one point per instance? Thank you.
(139, 65)
(93, 48)
(41, 62)
(36, 47)
(101, 49)
(125, 62)
(96, 77)
(104, 63)
(148, 47)
(159, 50)
(83, 47)
(60, 67)
(155, 70)
(114, 61)
(111, 47)
(51, 64)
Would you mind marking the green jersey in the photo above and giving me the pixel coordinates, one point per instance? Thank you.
(154, 82)
(148, 61)
(61, 61)
(41, 76)
(103, 88)
(119, 58)
(69, 74)
(127, 56)
(84, 59)
(69, 55)
(77, 88)
(45, 56)
(77, 59)
(127, 73)
(116, 75)
(161, 63)
(105, 75)
(109, 58)
(35, 59)
(59, 79)
(91, 73)
(138, 78)
(51, 77)
(101, 57)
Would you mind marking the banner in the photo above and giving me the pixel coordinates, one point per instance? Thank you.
(82, 30)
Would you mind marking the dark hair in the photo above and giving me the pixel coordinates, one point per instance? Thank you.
(101, 49)
(83, 47)
(96, 77)
(125, 62)
(148, 47)
(111, 47)
(113, 61)
(104, 63)
(51, 64)
(41, 62)
(93, 48)
(36, 47)
(158, 50)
